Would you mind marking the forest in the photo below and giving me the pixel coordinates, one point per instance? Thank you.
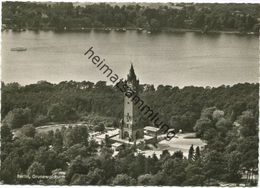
(225, 117)
(68, 16)
(71, 101)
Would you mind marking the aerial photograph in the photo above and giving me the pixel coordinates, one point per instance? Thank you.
(129, 93)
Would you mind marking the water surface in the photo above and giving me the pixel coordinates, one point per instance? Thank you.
(177, 59)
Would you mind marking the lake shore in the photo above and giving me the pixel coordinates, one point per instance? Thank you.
(124, 29)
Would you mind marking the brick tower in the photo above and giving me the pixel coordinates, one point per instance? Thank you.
(130, 128)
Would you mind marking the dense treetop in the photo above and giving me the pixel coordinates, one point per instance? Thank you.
(231, 151)
(73, 101)
(69, 16)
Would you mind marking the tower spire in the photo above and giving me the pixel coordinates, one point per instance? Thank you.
(131, 76)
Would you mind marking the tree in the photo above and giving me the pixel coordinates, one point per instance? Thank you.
(99, 128)
(202, 126)
(93, 146)
(12, 87)
(217, 114)
(179, 21)
(123, 179)
(6, 134)
(159, 179)
(191, 153)
(36, 169)
(81, 165)
(236, 109)
(76, 135)
(165, 155)
(194, 174)
(223, 126)
(214, 165)
(197, 153)
(178, 154)
(198, 19)
(233, 166)
(145, 179)
(154, 24)
(79, 179)
(137, 166)
(208, 113)
(248, 147)
(61, 112)
(94, 177)
(75, 150)
(48, 158)
(174, 171)
(151, 165)
(40, 120)
(17, 118)
(100, 85)
(28, 130)
(76, 167)
(10, 168)
(58, 140)
(248, 125)
(141, 21)
(107, 163)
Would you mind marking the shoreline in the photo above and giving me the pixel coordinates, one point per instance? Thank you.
(124, 29)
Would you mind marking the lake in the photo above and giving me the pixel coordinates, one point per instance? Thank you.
(177, 59)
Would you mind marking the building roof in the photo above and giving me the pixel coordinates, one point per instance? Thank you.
(116, 144)
(150, 128)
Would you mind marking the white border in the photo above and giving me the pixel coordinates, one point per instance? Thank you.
(146, 1)
(122, 1)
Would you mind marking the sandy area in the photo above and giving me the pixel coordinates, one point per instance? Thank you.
(175, 144)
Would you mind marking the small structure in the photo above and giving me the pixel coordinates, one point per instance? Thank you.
(117, 146)
(151, 131)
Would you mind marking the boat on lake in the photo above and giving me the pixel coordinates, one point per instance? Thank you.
(120, 29)
(19, 49)
(139, 30)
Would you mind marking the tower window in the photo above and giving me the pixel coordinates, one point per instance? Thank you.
(128, 117)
